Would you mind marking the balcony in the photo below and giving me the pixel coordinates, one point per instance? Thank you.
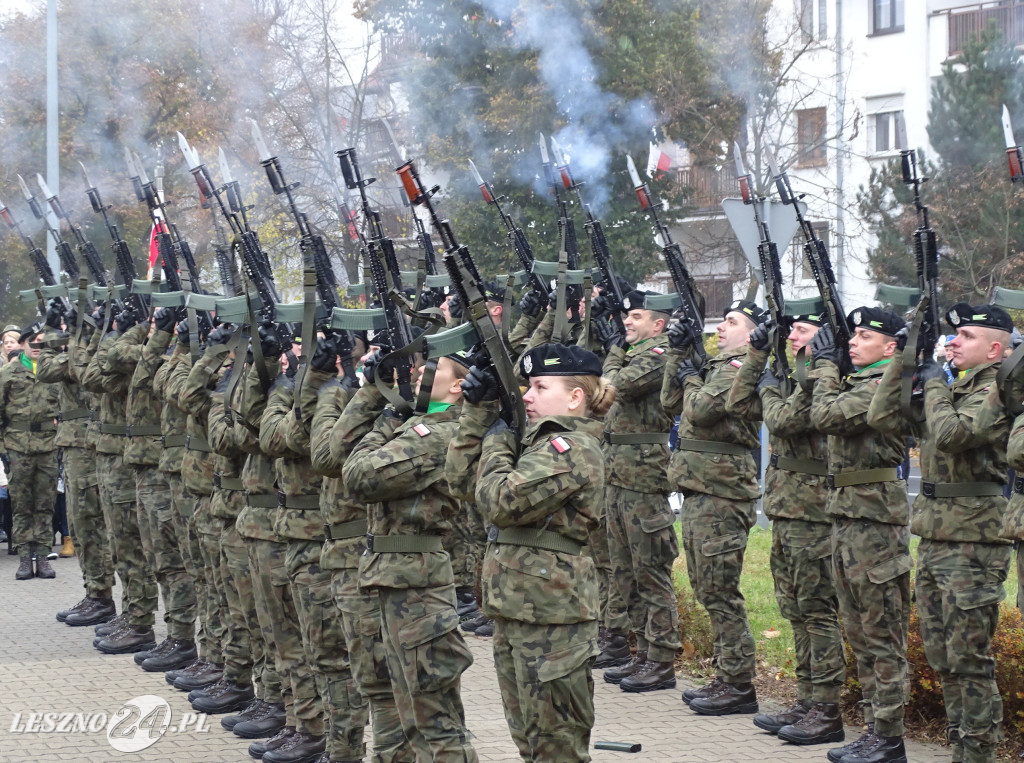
(705, 187)
(969, 22)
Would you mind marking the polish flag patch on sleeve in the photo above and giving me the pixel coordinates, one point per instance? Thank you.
(735, 363)
(421, 430)
(658, 350)
(560, 444)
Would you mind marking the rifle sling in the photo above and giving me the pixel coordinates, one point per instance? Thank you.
(308, 331)
(190, 316)
(588, 288)
(561, 329)
(800, 371)
(910, 361)
(506, 308)
(257, 349)
(1007, 369)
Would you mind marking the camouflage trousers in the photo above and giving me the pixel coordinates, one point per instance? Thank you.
(117, 497)
(547, 687)
(323, 640)
(182, 507)
(426, 656)
(237, 604)
(1019, 547)
(801, 562)
(872, 565)
(277, 617)
(360, 621)
(85, 520)
(959, 587)
(215, 617)
(715, 538)
(32, 486)
(157, 530)
(642, 546)
(598, 542)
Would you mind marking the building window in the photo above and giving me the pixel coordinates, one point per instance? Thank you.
(717, 291)
(801, 268)
(813, 20)
(887, 132)
(810, 137)
(887, 16)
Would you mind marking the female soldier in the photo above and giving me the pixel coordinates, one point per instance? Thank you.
(542, 496)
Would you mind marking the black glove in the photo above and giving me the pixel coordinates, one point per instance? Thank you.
(455, 308)
(6, 460)
(606, 333)
(165, 319)
(901, 337)
(54, 314)
(685, 371)
(930, 369)
(680, 335)
(349, 383)
(760, 335)
(98, 315)
(220, 335)
(270, 341)
(71, 318)
(823, 346)
(390, 414)
(480, 384)
(326, 356)
(532, 303)
(182, 331)
(372, 368)
(599, 306)
(768, 379)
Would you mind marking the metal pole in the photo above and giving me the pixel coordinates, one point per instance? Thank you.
(52, 159)
(839, 246)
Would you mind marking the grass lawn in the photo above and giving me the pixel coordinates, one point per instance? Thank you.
(772, 633)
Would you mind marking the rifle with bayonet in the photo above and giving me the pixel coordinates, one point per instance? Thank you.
(821, 270)
(771, 270)
(38, 257)
(64, 253)
(314, 254)
(82, 244)
(432, 296)
(468, 285)
(379, 254)
(122, 255)
(516, 236)
(566, 226)
(691, 308)
(924, 326)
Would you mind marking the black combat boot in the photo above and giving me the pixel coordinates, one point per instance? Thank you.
(822, 724)
(614, 654)
(181, 652)
(63, 614)
(227, 699)
(651, 676)
(774, 721)
(267, 724)
(216, 686)
(615, 675)
(24, 568)
(207, 675)
(727, 699)
(173, 675)
(470, 625)
(259, 749)
(43, 568)
(485, 629)
(134, 638)
(163, 646)
(300, 748)
(836, 754)
(701, 691)
(254, 708)
(112, 625)
(465, 602)
(97, 611)
(879, 749)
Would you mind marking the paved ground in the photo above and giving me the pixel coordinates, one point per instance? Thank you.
(48, 667)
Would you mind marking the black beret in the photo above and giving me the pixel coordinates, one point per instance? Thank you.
(815, 319)
(493, 292)
(962, 314)
(560, 360)
(749, 309)
(462, 358)
(875, 319)
(30, 331)
(636, 300)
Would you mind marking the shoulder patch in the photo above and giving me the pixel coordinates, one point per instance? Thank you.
(658, 350)
(560, 444)
(736, 363)
(421, 430)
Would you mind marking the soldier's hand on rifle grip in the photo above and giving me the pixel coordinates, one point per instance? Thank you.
(768, 379)
(455, 308)
(165, 319)
(270, 341)
(759, 337)
(901, 338)
(930, 369)
(71, 318)
(182, 331)
(54, 314)
(531, 304)
(220, 335)
(606, 333)
(480, 384)
(685, 371)
(325, 358)
(680, 335)
(823, 346)
(372, 368)
(126, 319)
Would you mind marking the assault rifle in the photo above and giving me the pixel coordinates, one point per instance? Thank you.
(566, 227)
(314, 254)
(521, 247)
(434, 296)
(691, 309)
(468, 284)
(67, 257)
(122, 256)
(379, 254)
(39, 261)
(768, 254)
(821, 270)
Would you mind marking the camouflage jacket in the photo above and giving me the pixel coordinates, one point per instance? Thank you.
(172, 418)
(701, 405)
(113, 419)
(636, 375)
(788, 493)
(555, 484)
(198, 460)
(76, 405)
(839, 409)
(519, 336)
(258, 476)
(953, 449)
(1013, 524)
(79, 354)
(133, 350)
(463, 463)
(26, 403)
(228, 501)
(283, 437)
(398, 469)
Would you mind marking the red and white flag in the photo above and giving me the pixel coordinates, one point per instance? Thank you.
(658, 162)
(154, 249)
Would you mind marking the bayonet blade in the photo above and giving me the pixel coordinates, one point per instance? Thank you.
(24, 188)
(261, 145)
(130, 163)
(44, 187)
(88, 182)
(191, 155)
(557, 153)
(1008, 129)
(741, 171)
(476, 175)
(140, 170)
(225, 170)
(773, 166)
(543, 150)
(633, 174)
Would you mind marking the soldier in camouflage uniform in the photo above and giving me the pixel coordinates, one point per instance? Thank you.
(713, 468)
(343, 413)
(83, 498)
(1013, 524)
(398, 468)
(801, 558)
(642, 543)
(870, 538)
(962, 561)
(28, 413)
(118, 498)
(543, 494)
